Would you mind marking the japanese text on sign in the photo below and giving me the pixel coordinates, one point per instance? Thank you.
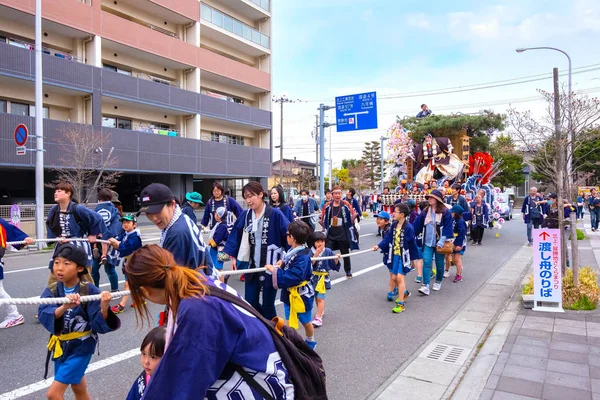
(547, 277)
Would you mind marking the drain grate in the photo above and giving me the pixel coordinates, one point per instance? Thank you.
(446, 353)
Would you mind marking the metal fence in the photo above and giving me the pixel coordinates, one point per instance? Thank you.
(28, 211)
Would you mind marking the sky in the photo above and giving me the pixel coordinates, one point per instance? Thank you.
(403, 48)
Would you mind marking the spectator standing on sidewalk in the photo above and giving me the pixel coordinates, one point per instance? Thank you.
(533, 213)
(594, 207)
(580, 204)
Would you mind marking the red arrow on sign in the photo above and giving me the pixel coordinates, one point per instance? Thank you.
(544, 235)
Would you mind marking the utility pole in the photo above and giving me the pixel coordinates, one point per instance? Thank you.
(322, 108)
(317, 144)
(39, 129)
(330, 161)
(281, 100)
(560, 164)
(382, 139)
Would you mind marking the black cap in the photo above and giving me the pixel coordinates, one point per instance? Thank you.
(154, 197)
(72, 253)
(552, 196)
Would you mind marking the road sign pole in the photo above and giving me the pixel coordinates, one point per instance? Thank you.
(39, 128)
(322, 152)
(382, 140)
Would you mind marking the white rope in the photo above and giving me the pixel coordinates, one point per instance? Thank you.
(309, 215)
(60, 300)
(56, 240)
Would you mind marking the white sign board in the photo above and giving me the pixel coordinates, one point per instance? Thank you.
(21, 150)
(547, 274)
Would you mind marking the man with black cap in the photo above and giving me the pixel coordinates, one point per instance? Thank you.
(179, 234)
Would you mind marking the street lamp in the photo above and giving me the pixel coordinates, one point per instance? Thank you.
(382, 139)
(282, 99)
(569, 133)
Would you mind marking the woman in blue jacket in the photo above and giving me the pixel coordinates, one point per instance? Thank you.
(258, 238)
(277, 200)
(219, 199)
(435, 223)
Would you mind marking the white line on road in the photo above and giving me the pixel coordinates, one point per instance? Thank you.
(25, 270)
(41, 385)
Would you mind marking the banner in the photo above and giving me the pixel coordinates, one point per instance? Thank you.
(547, 274)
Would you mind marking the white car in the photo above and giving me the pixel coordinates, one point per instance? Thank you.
(506, 205)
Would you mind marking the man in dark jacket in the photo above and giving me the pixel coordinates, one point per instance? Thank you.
(533, 211)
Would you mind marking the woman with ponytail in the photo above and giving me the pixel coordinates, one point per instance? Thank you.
(207, 338)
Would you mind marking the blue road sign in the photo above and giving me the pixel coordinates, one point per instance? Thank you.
(356, 112)
(21, 135)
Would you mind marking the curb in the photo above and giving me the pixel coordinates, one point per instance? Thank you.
(413, 379)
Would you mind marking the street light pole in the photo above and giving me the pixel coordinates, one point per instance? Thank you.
(322, 125)
(382, 139)
(569, 110)
(281, 99)
(39, 128)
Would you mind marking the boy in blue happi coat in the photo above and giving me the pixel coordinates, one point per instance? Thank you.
(123, 246)
(74, 326)
(320, 279)
(401, 247)
(293, 275)
(218, 237)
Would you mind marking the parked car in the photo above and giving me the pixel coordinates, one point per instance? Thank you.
(506, 205)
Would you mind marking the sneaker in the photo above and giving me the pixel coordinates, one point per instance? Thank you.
(395, 291)
(312, 345)
(317, 322)
(242, 278)
(446, 274)
(406, 295)
(399, 308)
(529, 244)
(437, 286)
(10, 322)
(457, 278)
(424, 290)
(348, 276)
(103, 260)
(390, 296)
(118, 309)
(419, 279)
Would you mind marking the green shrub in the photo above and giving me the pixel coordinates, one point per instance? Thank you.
(580, 234)
(585, 295)
(528, 287)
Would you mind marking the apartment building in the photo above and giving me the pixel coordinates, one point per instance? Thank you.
(181, 89)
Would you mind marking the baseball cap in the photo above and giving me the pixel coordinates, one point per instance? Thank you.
(383, 214)
(72, 253)
(128, 217)
(154, 197)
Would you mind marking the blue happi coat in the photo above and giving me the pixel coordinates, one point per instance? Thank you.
(8, 233)
(210, 335)
(387, 243)
(138, 388)
(128, 243)
(347, 223)
(295, 269)
(323, 266)
(232, 207)
(459, 227)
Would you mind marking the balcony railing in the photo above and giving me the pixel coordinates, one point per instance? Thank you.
(46, 50)
(147, 77)
(264, 4)
(235, 26)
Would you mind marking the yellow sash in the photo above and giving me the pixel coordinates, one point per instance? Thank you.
(296, 304)
(320, 288)
(54, 342)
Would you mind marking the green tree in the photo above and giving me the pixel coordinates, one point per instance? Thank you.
(512, 162)
(372, 160)
(342, 175)
(349, 163)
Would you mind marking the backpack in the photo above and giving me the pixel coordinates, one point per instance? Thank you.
(303, 364)
(53, 219)
(84, 290)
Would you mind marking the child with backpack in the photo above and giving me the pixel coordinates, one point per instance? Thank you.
(217, 239)
(320, 279)
(293, 275)
(459, 227)
(401, 248)
(73, 326)
(152, 349)
(128, 241)
(111, 216)
(10, 233)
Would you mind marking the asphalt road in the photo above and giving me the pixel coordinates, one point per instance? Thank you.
(361, 342)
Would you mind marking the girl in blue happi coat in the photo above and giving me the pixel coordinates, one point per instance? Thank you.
(258, 238)
(220, 199)
(74, 326)
(293, 275)
(459, 227)
(320, 279)
(152, 349)
(401, 247)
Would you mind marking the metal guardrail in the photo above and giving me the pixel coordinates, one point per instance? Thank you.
(28, 211)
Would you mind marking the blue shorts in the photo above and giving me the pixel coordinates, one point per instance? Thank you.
(398, 266)
(71, 370)
(320, 295)
(304, 318)
(461, 252)
(419, 253)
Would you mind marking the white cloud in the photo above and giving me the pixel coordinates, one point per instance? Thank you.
(418, 20)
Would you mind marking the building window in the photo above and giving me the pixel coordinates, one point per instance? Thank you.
(124, 124)
(120, 123)
(116, 69)
(225, 138)
(3, 104)
(2, 39)
(19, 109)
(32, 111)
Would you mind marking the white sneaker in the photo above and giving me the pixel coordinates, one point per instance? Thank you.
(424, 290)
(437, 286)
(446, 274)
(9, 322)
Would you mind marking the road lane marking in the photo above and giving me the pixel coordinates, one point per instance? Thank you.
(44, 384)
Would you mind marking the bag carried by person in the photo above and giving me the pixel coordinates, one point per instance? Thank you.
(303, 364)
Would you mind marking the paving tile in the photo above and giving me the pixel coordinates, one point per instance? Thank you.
(536, 334)
(547, 327)
(510, 396)
(554, 392)
(593, 341)
(422, 368)
(412, 389)
(519, 386)
(526, 373)
(530, 350)
(595, 385)
(594, 350)
(507, 347)
(460, 339)
(498, 368)
(563, 355)
(572, 381)
(539, 320)
(476, 328)
(593, 332)
(527, 361)
(570, 329)
(568, 368)
(501, 328)
(492, 382)
(595, 396)
(572, 347)
(486, 394)
(475, 316)
(570, 322)
(567, 337)
(595, 372)
(593, 360)
(503, 357)
(593, 325)
(510, 339)
(529, 341)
